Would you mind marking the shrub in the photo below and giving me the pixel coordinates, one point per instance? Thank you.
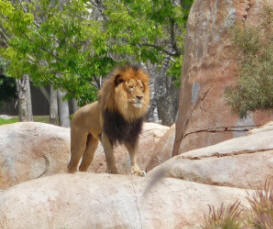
(254, 89)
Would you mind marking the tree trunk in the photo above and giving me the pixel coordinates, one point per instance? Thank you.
(166, 95)
(63, 109)
(152, 115)
(24, 99)
(53, 106)
(167, 104)
(75, 106)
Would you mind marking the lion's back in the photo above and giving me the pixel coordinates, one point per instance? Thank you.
(88, 118)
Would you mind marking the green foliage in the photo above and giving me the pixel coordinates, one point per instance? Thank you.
(67, 44)
(255, 84)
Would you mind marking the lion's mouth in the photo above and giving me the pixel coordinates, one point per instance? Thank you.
(137, 105)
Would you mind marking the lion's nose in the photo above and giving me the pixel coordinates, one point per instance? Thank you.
(139, 97)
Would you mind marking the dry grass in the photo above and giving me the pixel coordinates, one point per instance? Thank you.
(259, 216)
(262, 207)
(223, 217)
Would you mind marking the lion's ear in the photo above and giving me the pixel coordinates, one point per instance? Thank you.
(118, 79)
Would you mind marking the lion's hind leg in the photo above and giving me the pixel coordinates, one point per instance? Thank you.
(78, 146)
(88, 155)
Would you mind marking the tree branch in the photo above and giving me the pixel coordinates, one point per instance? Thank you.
(176, 53)
(173, 40)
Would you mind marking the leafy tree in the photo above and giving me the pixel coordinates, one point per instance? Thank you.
(254, 89)
(71, 44)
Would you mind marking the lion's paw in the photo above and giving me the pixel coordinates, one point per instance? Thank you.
(138, 172)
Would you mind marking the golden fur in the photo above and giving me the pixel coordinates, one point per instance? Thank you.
(116, 116)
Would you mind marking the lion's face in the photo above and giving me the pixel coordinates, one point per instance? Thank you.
(135, 93)
(127, 91)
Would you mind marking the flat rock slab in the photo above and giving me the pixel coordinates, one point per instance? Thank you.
(244, 162)
(85, 200)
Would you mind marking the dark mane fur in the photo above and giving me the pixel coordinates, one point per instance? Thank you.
(119, 130)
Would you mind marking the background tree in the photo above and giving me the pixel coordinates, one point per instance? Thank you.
(71, 45)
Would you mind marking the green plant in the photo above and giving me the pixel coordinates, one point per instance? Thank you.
(254, 89)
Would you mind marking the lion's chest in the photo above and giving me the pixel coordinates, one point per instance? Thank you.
(119, 130)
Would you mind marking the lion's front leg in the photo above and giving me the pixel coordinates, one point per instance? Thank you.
(108, 150)
(135, 170)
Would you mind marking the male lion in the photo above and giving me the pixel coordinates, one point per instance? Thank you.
(116, 117)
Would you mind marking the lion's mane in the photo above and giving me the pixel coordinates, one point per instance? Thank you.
(122, 122)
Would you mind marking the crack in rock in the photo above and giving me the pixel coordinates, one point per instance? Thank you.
(223, 129)
(218, 155)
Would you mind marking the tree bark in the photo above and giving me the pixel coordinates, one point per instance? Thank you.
(167, 104)
(24, 99)
(75, 106)
(63, 109)
(166, 95)
(53, 106)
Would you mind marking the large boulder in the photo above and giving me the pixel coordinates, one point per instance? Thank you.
(209, 67)
(244, 162)
(85, 200)
(30, 150)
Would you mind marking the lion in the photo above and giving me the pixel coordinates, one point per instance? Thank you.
(117, 117)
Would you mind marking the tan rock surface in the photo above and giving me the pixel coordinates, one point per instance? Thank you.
(243, 162)
(31, 149)
(85, 200)
(163, 149)
(266, 127)
(209, 66)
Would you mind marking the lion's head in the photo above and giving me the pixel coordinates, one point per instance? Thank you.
(126, 91)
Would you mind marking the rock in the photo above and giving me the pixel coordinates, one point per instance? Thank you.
(267, 127)
(85, 200)
(163, 149)
(209, 67)
(244, 162)
(30, 149)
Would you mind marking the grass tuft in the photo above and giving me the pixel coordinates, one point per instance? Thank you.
(259, 216)
(223, 217)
